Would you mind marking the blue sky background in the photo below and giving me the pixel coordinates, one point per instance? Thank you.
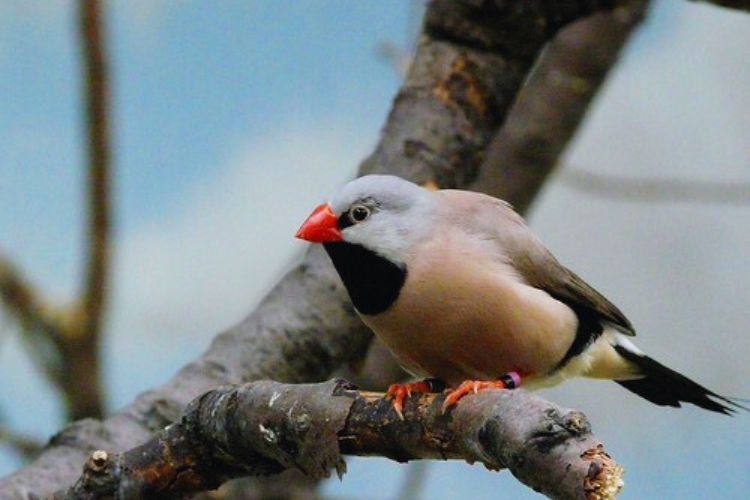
(231, 122)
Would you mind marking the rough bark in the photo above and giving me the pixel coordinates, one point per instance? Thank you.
(468, 69)
(264, 428)
(553, 103)
(470, 62)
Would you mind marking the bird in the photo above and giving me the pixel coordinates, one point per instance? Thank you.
(468, 298)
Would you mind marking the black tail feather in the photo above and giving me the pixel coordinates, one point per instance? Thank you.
(665, 387)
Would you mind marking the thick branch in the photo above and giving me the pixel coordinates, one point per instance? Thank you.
(469, 65)
(266, 427)
(471, 61)
(553, 103)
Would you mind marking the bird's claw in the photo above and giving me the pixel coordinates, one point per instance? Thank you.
(508, 381)
(399, 393)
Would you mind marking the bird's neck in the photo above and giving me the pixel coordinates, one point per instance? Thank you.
(373, 282)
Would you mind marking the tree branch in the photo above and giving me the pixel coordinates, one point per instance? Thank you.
(730, 4)
(80, 350)
(25, 446)
(553, 103)
(96, 94)
(20, 298)
(654, 190)
(266, 427)
(40, 329)
(470, 62)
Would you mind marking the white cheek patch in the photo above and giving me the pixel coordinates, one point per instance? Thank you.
(379, 237)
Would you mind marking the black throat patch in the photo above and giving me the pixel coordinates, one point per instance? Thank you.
(373, 282)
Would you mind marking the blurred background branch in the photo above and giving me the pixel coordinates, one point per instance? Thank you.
(731, 4)
(554, 102)
(655, 190)
(80, 350)
(64, 340)
(25, 446)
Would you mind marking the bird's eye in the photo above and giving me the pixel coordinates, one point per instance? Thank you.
(358, 213)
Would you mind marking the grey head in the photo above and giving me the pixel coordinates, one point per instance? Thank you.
(383, 213)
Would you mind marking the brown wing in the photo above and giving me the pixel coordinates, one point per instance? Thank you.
(495, 220)
(541, 269)
(568, 287)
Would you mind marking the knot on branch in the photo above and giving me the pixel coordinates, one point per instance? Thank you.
(98, 479)
(271, 422)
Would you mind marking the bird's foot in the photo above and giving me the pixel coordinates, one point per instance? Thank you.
(510, 380)
(399, 392)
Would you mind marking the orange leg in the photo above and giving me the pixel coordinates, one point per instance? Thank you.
(399, 392)
(510, 380)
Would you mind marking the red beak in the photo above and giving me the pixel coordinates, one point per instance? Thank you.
(321, 226)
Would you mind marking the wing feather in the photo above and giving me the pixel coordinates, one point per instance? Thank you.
(568, 287)
(495, 220)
